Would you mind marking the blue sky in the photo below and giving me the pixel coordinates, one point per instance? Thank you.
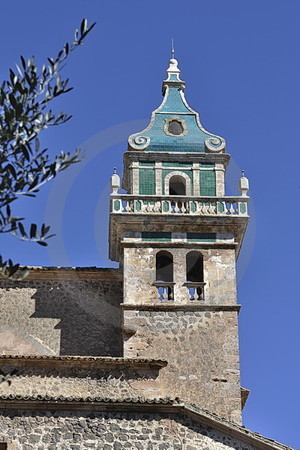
(241, 62)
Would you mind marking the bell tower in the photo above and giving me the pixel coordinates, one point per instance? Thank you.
(177, 236)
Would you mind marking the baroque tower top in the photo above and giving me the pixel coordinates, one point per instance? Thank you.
(175, 170)
(174, 125)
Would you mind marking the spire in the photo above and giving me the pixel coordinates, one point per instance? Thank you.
(158, 136)
(173, 73)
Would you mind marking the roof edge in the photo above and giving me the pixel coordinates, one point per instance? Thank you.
(166, 404)
(71, 273)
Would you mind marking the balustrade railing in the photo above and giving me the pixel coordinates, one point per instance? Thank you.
(206, 206)
(195, 290)
(165, 290)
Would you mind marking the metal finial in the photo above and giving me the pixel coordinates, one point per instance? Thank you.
(243, 173)
(173, 51)
(115, 170)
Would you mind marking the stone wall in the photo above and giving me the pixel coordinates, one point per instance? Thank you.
(219, 274)
(201, 347)
(111, 430)
(62, 313)
(79, 377)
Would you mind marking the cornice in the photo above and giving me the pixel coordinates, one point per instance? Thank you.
(72, 274)
(171, 306)
(98, 361)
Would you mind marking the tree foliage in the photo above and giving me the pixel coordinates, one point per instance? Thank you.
(25, 100)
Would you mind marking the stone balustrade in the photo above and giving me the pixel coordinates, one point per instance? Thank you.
(195, 290)
(164, 290)
(184, 205)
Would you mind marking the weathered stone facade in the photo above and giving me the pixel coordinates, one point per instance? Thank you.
(219, 264)
(134, 424)
(202, 352)
(112, 430)
(81, 377)
(62, 312)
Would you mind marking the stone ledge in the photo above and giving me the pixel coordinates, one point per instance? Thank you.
(99, 361)
(72, 274)
(169, 306)
(97, 399)
(182, 244)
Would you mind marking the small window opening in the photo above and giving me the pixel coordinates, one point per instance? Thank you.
(194, 267)
(164, 275)
(164, 266)
(177, 185)
(175, 127)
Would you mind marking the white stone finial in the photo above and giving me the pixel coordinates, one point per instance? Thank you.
(173, 73)
(115, 182)
(243, 184)
(173, 67)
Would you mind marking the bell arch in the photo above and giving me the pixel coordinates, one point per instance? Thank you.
(164, 266)
(180, 178)
(194, 267)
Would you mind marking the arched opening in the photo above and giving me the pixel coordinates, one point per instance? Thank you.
(164, 266)
(177, 185)
(164, 275)
(194, 275)
(194, 267)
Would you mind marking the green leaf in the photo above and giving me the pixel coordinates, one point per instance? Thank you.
(14, 269)
(50, 235)
(37, 145)
(13, 101)
(11, 170)
(43, 243)
(83, 26)
(22, 229)
(33, 230)
(23, 62)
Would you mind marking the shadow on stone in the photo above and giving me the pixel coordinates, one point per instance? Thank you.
(89, 315)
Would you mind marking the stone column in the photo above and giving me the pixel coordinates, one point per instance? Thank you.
(179, 267)
(158, 178)
(135, 177)
(220, 180)
(196, 178)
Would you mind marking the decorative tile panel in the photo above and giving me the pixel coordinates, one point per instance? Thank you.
(146, 182)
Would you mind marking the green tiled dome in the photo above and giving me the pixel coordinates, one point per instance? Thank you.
(160, 136)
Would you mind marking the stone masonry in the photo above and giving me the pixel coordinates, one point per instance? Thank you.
(112, 430)
(62, 312)
(201, 349)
